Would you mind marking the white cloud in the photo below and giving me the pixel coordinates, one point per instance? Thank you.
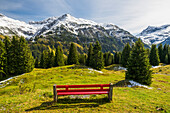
(132, 15)
(6, 5)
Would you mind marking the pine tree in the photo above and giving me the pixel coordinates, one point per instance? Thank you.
(117, 58)
(42, 60)
(105, 56)
(125, 55)
(50, 60)
(138, 68)
(36, 63)
(165, 52)
(168, 54)
(2, 59)
(14, 58)
(82, 59)
(7, 44)
(160, 51)
(166, 59)
(73, 57)
(110, 58)
(26, 62)
(59, 58)
(97, 47)
(89, 61)
(154, 57)
(46, 59)
(98, 61)
(148, 51)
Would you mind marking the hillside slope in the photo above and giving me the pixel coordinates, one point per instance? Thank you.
(32, 92)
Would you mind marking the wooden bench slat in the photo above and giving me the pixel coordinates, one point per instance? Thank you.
(82, 86)
(82, 93)
(82, 90)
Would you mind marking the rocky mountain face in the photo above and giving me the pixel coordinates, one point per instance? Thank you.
(84, 31)
(67, 28)
(155, 35)
(9, 26)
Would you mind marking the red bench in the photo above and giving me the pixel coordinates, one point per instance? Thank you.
(85, 90)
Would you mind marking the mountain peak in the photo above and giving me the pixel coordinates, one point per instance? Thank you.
(155, 34)
(66, 15)
(1, 15)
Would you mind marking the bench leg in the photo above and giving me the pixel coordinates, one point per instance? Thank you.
(110, 92)
(55, 92)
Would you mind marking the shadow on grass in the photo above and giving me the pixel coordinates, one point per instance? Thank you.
(114, 67)
(70, 103)
(77, 67)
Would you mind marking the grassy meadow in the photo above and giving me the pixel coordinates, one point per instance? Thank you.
(32, 92)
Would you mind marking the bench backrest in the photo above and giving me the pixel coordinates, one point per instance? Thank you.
(76, 88)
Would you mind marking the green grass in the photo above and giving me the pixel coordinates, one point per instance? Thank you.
(32, 92)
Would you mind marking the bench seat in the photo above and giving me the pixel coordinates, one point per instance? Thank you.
(83, 90)
(82, 93)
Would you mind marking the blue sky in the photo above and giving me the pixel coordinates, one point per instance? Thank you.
(131, 15)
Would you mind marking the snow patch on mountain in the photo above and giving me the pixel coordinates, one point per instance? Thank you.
(66, 22)
(10, 26)
(155, 34)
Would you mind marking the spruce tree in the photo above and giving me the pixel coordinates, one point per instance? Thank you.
(105, 56)
(50, 61)
(46, 59)
(165, 52)
(168, 54)
(26, 62)
(42, 60)
(2, 59)
(116, 60)
(138, 68)
(89, 61)
(154, 57)
(119, 57)
(160, 51)
(82, 59)
(110, 58)
(148, 51)
(36, 63)
(125, 55)
(166, 59)
(7, 44)
(14, 58)
(73, 57)
(59, 58)
(98, 61)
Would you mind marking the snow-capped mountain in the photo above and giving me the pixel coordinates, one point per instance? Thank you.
(9, 26)
(155, 35)
(78, 26)
(83, 31)
(70, 29)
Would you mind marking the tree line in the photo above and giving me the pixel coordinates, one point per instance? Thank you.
(15, 57)
(97, 60)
